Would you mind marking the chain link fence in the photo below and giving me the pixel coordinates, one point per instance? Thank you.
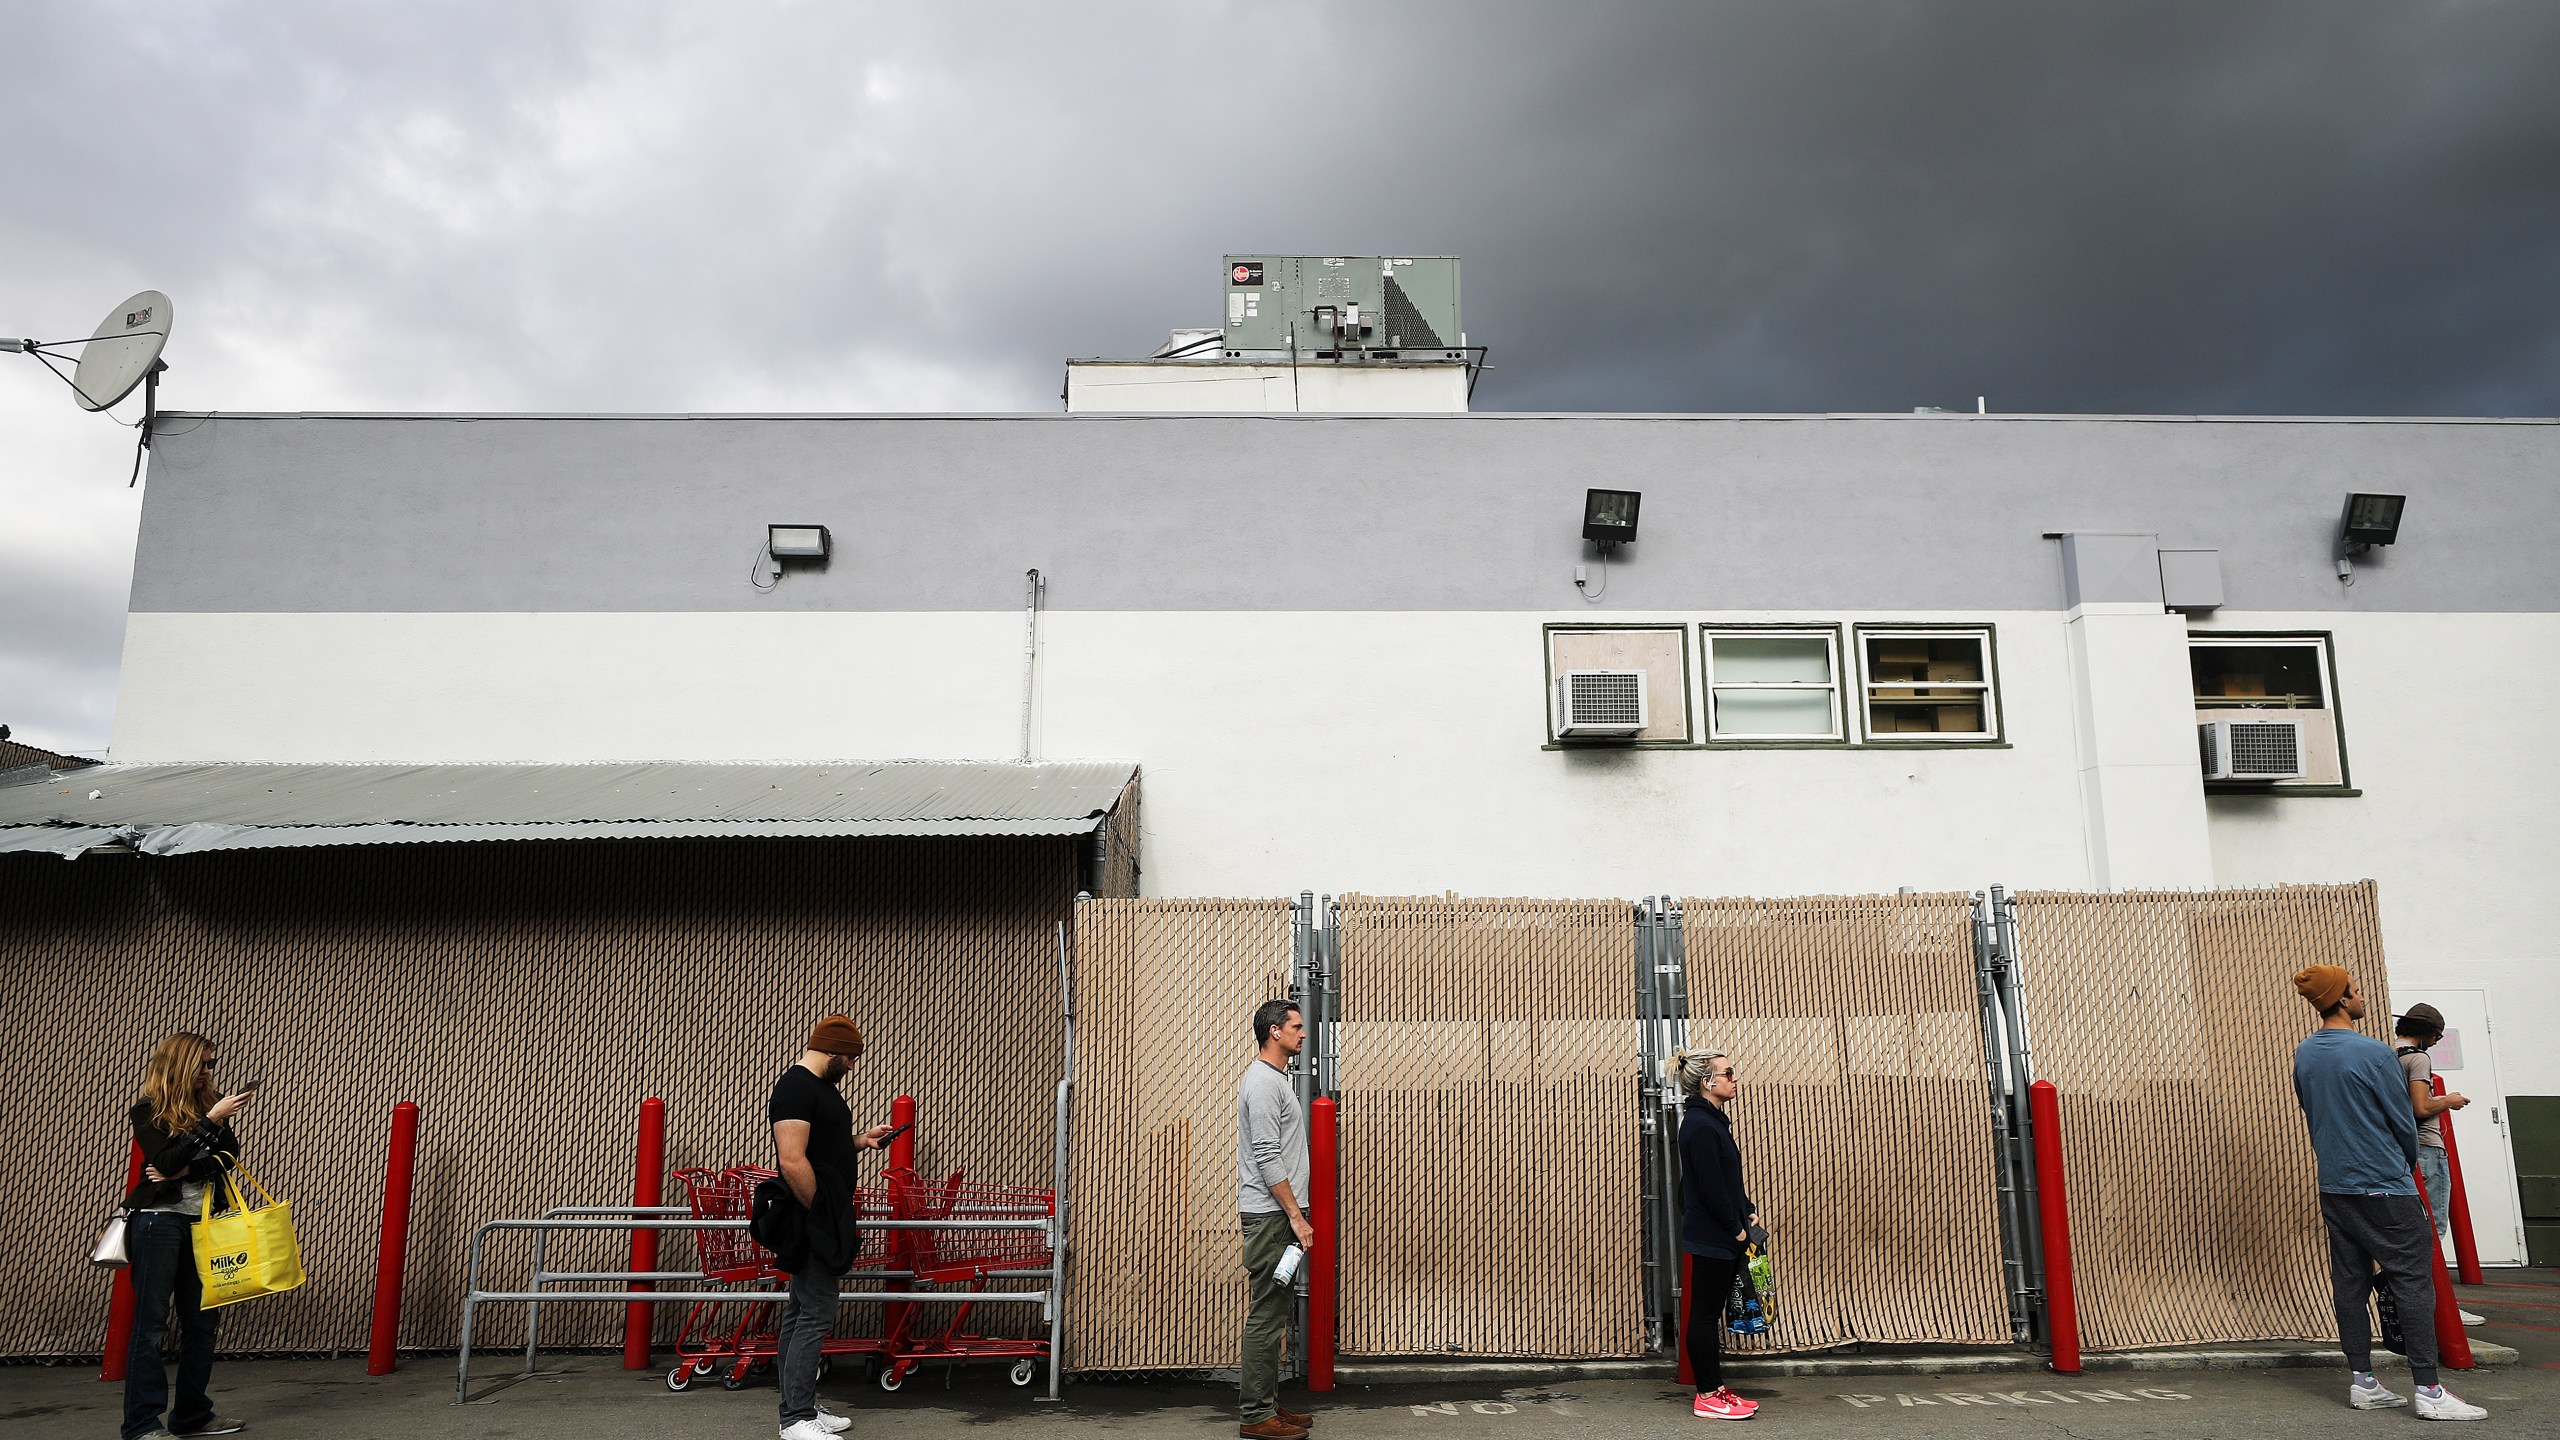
(2167, 1021)
(1863, 1116)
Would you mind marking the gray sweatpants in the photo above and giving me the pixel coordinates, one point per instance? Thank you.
(806, 1323)
(2389, 1231)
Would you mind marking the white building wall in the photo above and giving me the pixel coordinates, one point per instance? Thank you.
(2460, 816)
(1136, 387)
(1395, 752)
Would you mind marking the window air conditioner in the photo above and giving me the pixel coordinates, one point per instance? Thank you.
(1598, 704)
(2251, 749)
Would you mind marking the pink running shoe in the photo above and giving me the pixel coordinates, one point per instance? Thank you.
(1722, 1404)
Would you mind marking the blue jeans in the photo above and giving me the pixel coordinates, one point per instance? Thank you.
(2439, 1177)
(163, 1250)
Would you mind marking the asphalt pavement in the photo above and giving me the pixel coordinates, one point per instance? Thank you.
(593, 1398)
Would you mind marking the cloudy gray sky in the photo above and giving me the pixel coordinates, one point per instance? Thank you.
(2320, 207)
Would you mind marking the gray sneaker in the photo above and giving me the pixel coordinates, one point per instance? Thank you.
(2373, 1396)
(2445, 1405)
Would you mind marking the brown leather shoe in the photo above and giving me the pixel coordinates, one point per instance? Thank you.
(1303, 1422)
(1274, 1428)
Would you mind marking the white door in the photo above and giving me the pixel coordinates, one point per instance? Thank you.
(2467, 1058)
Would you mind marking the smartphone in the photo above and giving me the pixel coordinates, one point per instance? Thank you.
(894, 1134)
(251, 1086)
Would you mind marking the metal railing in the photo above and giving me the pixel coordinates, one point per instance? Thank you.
(627, 1217)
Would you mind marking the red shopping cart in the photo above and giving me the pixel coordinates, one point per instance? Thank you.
(743, 1335)
(962, 1257)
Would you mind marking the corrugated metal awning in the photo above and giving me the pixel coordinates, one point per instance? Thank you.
(186, 809)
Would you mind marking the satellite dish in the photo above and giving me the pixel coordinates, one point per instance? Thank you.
(122, 350)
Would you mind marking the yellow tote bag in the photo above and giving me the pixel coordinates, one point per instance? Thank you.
(246, 1252)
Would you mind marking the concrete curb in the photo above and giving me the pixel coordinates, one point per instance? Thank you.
(1994, 1362)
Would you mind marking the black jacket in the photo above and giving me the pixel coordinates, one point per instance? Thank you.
(824, 1236)
(202, 1153)
(1713, 1206)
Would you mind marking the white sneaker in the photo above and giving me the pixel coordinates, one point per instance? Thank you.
(835, 1424)
(2445, 1405)
(2470, 1319)
(814, 1428)
(2373, 1396)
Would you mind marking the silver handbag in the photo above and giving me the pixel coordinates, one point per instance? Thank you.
(109, 1252)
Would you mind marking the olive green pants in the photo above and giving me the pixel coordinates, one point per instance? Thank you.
(1268, 1306)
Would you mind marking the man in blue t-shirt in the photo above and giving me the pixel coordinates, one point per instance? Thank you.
(2366, 1136)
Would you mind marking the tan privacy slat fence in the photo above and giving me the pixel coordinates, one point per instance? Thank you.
(1165, 993)
(1490, 1183)
(2167, 1022)
(528, 997)
(1863, 1116)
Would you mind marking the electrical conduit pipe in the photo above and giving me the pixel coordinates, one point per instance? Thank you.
(120, 1297)
(1324, 1212)
(647, 1184)
(392, 1264)
(2061, 1308)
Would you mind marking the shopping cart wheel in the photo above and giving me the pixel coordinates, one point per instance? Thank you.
(680, 1377)
(1023, 1370)
(892, 1377)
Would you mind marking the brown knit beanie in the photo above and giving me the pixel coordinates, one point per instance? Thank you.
(836, 1035)
(2323, 985)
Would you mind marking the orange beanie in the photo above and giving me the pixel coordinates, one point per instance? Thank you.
(2323, 985)
(837, 1035)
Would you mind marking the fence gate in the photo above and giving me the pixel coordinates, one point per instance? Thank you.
(2167, 1021)
(1865, 1129)
(1489, 1191)
(1165, 991)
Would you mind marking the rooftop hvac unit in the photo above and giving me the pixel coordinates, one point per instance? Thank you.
(2251, 749)
(1599, 704)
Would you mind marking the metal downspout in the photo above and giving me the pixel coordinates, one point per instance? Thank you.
(1032, 584)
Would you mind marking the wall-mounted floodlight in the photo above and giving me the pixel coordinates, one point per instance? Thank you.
(1609, 516)
(2372, 519)
(796, 542)
(786, 545)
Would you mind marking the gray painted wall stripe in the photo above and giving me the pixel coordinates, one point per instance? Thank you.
(1324, 513)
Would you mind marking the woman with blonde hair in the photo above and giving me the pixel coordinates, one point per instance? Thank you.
(183, 1124)
(1715, 1222)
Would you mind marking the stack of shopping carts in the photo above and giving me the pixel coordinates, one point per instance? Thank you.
(741, 1337)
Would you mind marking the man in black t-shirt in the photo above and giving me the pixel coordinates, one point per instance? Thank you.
(817, 1149)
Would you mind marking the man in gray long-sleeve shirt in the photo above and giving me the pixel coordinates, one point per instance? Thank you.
(1271, 1175)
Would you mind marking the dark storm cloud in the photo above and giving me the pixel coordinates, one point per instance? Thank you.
(2322, 207)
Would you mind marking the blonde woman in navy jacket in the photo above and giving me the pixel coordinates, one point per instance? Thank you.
(1716, 1216)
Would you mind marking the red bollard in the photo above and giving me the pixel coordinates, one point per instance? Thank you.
(393, 1262)
(2466, 1251)
(902, 1151)
(647, 1184)
(2061, 1307)
(902, 1161)
(1323, 1212)
(120, 1297)
(2453, 1346)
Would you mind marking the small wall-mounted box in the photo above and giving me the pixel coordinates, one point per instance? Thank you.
(2191, 579)
(1600, 704)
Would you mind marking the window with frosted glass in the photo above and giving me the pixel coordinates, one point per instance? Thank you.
(1928, 685)
(1773, 685)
